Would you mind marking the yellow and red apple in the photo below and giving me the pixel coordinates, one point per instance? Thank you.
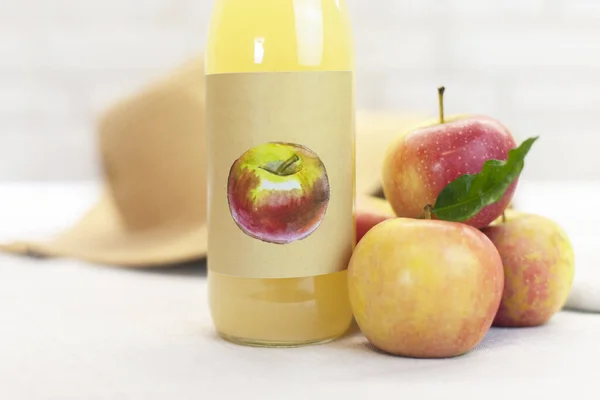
(278, 192)
(425, 288)
(422, 161)
(539, 267)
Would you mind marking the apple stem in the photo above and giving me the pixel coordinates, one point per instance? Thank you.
(441, 91)
(286, 164)
(428, 210)
(503, 217)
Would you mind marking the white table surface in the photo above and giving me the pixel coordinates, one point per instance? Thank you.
(70, 330)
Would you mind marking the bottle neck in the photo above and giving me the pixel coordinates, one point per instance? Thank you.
(276, 35)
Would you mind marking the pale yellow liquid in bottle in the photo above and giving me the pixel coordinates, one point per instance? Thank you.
(279, 35)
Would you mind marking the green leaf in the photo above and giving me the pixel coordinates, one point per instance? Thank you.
(464, 197)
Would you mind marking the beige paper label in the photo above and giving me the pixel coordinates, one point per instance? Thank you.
(281, 173)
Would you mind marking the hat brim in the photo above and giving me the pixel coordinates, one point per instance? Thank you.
(99, 237)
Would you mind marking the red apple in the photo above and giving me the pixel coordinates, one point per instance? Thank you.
(370, 211)
(278, 192)
(425, 288)
(421, 162)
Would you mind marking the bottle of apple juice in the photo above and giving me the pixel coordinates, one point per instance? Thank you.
(280, 127)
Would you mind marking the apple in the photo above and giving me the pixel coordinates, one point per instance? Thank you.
(422, 161)
(370, 211)
(425, 288)
(278, 192)
(539, 268)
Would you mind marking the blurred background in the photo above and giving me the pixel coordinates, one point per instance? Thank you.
(533, 64)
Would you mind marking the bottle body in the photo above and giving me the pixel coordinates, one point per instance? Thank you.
(280, 108)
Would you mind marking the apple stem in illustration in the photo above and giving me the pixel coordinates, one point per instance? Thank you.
(281, 170)
(441, 90)
(504, 217)
(428, 209)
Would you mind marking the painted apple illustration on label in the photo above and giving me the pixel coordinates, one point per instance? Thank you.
(278, 192)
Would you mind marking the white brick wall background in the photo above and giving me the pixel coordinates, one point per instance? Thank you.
(534, 64)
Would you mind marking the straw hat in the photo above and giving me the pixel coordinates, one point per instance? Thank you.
(153, 208)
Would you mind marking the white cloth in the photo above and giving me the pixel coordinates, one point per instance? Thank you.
(73, 331)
